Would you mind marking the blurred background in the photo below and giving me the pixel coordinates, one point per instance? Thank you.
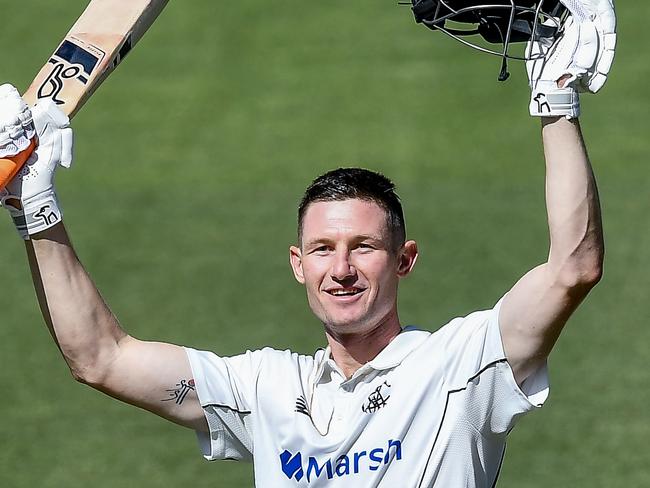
(190, 162)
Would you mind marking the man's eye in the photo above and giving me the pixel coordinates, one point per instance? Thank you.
(365, 247)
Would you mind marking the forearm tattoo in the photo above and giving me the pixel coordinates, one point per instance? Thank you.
(179, 392)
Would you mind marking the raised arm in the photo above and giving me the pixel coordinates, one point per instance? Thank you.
(535, 310)
(153, 376)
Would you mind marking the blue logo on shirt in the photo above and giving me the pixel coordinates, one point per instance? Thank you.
(292, 465)
(347, 464)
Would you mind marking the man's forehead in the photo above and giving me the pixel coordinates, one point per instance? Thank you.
(364, 216)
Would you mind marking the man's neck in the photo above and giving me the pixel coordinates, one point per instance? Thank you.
(351, 351)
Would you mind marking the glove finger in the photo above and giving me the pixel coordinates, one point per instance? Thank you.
(609, 41)
(67, 147)
(60, 119)
(606, 16)
(604, 63)
(16, 125)
(46, 112)
(597, 82)
(587, 50)
(8, 91)
(563, 52)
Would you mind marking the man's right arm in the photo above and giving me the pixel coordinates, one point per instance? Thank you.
(154, 376)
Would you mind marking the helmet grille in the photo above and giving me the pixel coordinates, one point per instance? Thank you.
(499, 22)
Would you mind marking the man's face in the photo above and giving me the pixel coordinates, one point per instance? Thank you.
(348, 266)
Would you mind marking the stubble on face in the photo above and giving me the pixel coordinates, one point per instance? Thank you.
(349, 267)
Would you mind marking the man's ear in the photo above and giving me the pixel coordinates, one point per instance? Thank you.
(295, 259)
(408, 255)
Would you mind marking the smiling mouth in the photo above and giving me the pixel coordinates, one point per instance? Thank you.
(345, 292)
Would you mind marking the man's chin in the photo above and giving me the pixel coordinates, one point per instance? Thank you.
(349, 325)
(350, 321)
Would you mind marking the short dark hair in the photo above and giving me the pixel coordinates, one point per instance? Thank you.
(362, 184)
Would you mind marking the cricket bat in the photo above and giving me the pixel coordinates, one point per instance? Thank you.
(98, 41)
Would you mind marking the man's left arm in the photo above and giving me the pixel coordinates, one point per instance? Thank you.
(534, 312)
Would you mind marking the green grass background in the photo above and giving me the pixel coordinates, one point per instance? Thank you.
(190, 162)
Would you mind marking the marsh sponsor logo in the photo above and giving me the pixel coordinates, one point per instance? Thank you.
(345, 465)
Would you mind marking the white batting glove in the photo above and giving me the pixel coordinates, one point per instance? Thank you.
(30, 197)
(16, 124)
(582, 57)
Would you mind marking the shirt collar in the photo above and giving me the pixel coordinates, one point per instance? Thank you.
(389, 357)
(400, 347)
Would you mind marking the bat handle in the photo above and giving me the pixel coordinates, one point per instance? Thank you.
(11, 165)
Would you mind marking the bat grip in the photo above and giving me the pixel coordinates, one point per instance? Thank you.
(11, 165)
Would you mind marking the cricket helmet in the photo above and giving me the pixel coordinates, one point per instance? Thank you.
(498, 22)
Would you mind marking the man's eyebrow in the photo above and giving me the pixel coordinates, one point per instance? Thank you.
(358, 238)
(317, 241)
(369, 237)
(378, 241)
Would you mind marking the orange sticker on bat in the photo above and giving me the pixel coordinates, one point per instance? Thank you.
(10, 166)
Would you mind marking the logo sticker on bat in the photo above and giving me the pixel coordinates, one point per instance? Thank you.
(70, 61)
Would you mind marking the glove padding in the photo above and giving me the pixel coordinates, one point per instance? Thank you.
(16, 123)
(582, 56)
(30, 196)
(595, 55)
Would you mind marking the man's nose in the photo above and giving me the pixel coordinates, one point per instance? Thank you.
(342, 268)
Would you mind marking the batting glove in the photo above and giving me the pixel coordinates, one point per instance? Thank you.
(16, 123)
(30, 197)
(582, 57)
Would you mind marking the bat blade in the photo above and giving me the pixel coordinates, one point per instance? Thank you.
(100, 39)
(95, 45)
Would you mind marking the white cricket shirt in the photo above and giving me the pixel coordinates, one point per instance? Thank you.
(431, 410)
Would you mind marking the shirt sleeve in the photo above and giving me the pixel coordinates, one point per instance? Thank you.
(478, 369)
(225, 386)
